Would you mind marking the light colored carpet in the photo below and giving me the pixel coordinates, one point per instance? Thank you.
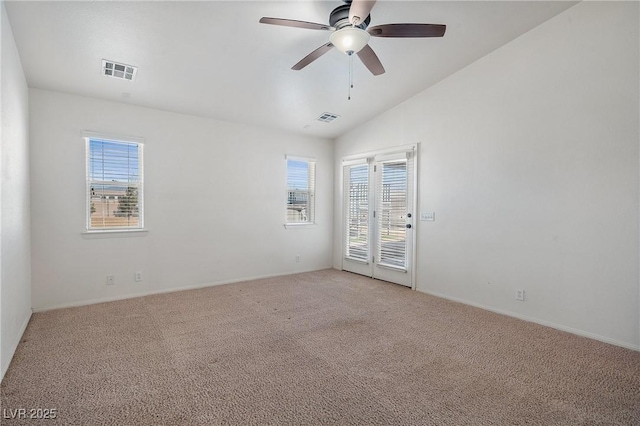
(315, 348)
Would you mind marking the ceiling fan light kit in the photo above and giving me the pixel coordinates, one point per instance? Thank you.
(349, 40)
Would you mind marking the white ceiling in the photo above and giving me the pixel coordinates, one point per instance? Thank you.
(213, 59)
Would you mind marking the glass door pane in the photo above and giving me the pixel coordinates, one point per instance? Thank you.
(391, 214)
(357, 212)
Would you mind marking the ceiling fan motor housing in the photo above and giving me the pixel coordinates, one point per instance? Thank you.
(339, 18)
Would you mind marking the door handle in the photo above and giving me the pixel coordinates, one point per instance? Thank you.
(408, 225)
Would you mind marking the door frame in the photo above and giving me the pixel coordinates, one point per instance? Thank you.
(367, 156)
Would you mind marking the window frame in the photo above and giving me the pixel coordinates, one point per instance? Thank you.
(139, 142)
(311, 222)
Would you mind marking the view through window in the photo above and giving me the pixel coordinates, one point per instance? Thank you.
(114, 185)
(301, 186)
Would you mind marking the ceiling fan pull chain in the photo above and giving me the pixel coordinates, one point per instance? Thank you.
(350, 74)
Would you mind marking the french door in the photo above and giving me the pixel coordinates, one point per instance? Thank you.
(378, 216)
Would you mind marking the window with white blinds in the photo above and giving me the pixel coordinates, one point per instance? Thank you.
(114, 184)
(356, 181)
(301, 188)
(392, 205)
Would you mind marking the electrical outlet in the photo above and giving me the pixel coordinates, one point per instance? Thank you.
(520, 295)
(297, 258)
(111, 279)
(138, 276)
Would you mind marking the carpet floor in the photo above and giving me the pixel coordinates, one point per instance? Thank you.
(324, 347)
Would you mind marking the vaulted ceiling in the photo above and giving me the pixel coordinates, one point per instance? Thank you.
(213, 58)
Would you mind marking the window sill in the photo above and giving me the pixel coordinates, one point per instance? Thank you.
(114, 233)
(299, 225)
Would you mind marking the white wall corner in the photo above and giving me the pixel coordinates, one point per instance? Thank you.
(14, 345)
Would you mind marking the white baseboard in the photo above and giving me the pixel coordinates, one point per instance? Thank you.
(216, 283)
(167, 290)
(14, 346)
(538, 321)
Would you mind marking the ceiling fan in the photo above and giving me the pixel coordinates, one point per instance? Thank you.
(350, 33)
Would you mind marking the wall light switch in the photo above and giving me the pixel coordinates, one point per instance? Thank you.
(428, 216)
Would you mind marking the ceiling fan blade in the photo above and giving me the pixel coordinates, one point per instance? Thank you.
(370, 60)
(312, 56)
(359, 10)
(294, 23)
(408, 30)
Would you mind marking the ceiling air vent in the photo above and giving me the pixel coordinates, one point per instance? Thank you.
(116, 70)
(327, 117)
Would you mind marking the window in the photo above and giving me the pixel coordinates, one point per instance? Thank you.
(301, 188)
(114, 184)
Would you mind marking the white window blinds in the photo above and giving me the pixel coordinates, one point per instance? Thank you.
(392, 204)
(356, 181)
(301, 187)
(114, 184)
